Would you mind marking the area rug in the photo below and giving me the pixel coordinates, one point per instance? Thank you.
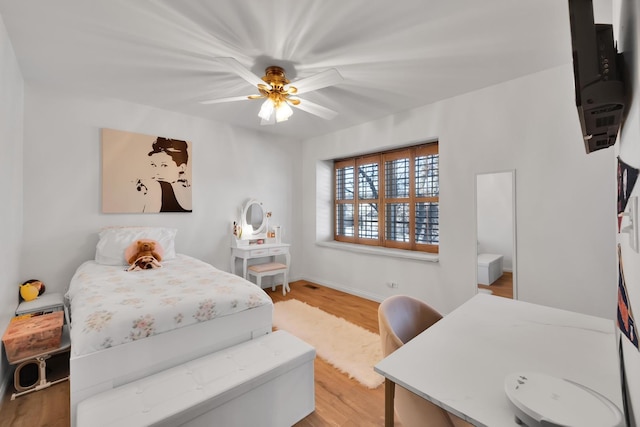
(350, 348)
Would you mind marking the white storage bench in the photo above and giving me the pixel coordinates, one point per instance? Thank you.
(267, 381)
(489, 268)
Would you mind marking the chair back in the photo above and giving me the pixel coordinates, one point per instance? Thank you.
(401, 318)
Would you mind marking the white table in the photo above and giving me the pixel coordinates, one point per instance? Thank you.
(258, 251)
(460, 363)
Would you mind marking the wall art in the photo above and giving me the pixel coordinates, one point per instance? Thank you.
(145, 173)
(626, 322)
(627, 177)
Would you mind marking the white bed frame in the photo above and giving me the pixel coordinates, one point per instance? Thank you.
(122, 364)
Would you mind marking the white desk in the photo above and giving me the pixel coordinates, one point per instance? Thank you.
(258, 251)
(460, 363)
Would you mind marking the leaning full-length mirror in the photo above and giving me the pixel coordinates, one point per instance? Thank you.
(496, 233)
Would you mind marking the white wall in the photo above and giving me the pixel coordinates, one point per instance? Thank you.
(565, 241)
(62, 183)
(11, 115)
(494, 215)
(629, 151)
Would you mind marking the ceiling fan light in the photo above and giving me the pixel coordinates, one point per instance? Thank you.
(283, 112)
(266, 110)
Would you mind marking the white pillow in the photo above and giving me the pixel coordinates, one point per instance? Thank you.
(114, 240)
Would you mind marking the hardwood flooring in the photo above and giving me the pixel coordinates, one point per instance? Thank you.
(340, 401)
(503, 287)
(44, 408)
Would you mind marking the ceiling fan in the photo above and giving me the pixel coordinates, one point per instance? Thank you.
(275, 89)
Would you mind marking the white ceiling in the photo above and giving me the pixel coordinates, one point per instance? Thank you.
(393, 56)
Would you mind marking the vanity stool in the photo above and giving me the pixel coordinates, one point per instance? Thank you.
(270, 269)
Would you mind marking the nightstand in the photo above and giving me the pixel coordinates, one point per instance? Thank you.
(45, 303)
(40, 361)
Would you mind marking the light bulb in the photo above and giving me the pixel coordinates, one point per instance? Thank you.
(266, 110)
(283, 112)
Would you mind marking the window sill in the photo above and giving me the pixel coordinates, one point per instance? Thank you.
(376, 250)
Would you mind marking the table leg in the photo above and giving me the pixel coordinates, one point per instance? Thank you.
(389, 394)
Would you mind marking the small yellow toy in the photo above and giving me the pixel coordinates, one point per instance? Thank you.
(31, 289)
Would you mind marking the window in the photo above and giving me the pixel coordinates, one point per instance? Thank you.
(389, 199)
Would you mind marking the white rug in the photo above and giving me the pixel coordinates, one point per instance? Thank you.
(350, 348)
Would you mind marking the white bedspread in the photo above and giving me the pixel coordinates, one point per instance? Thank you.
(111, 306)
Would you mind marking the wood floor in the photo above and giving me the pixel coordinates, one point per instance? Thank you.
(45, 408)
(503, 287)
(340, 401)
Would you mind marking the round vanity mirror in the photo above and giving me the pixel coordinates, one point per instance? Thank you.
(253, 218)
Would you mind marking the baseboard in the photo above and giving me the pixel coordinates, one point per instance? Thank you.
(347, 289)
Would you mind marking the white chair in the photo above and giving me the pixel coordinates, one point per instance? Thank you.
(270, 269)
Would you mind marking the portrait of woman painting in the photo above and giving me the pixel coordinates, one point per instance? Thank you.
(144, 173)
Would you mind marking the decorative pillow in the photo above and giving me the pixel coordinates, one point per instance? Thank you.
(133, 247)
(114, 240)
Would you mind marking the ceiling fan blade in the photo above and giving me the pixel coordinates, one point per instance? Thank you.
(315, 109)
(323, 79)
(243, 72)
(230, 99)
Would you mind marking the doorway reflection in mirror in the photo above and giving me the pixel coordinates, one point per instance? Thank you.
(495, 233)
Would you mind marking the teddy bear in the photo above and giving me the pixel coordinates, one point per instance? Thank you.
(145, 250)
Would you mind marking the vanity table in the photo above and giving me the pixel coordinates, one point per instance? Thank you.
(250, 241)
(259, 251)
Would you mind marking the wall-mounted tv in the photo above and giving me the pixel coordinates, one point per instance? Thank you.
(597, 68)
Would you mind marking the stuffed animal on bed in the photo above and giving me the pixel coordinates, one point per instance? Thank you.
(144, 255)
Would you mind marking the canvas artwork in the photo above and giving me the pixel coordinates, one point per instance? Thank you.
(145, 173)
(626, 323)
(627, 177)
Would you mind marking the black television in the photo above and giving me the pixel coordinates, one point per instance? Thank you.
(597, 69)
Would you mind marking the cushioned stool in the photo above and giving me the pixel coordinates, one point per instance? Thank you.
(270, 269)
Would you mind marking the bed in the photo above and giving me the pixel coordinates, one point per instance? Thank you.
(126, 325)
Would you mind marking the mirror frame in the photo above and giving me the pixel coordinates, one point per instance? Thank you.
(514, 262)
(255, 233)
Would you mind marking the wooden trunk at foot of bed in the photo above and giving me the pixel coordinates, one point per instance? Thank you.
(96, 372)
